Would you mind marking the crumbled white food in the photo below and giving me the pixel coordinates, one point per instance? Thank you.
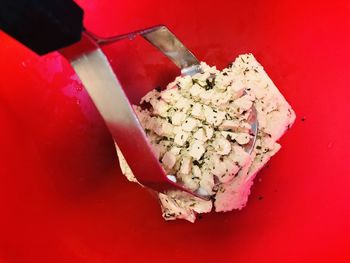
(221, 145)
(197, 111)
(209, 132)
(186, 163)
(197, 149)
(230, 125)
(169, 160)
(178, 118)
(243, 138)
(196, 90)
(198, 128)
(190, 124)
(181, 137)
(200, 135)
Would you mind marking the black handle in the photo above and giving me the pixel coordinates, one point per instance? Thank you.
(42, 25)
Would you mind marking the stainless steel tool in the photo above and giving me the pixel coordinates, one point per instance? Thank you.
(46, 26)
(101, 82)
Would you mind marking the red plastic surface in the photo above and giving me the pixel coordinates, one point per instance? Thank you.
(62, 195)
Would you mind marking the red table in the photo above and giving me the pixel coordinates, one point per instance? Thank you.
(62, 195)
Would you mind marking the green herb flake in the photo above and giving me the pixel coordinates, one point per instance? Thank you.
(210, 83)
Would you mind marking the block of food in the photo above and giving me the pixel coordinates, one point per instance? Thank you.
(199, 129)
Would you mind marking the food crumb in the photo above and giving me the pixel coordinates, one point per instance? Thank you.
(303, 119)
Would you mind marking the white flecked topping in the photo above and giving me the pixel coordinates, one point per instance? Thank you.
(198, 128)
